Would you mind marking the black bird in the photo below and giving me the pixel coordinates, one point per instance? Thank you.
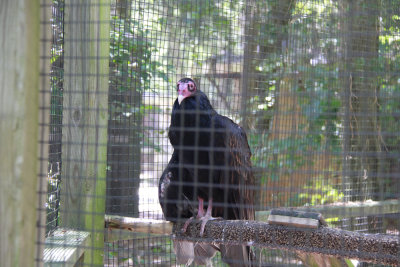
(210, 169)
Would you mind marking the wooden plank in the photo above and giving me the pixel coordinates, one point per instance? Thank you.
(19, 83)
(65, 248)
(346, 209)
(293, 221)
(84, 143)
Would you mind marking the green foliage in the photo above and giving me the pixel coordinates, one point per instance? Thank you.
(280, 156)
(318, 192)
(312, 59)
(130, 56)
(132, 69)
(205, 22)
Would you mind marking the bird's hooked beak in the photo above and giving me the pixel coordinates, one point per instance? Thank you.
(183, 92)
(180, 98)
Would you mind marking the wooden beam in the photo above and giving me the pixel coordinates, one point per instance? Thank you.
(19, 83)
(85, 106)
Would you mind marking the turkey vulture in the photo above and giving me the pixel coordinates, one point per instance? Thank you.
(210, 169)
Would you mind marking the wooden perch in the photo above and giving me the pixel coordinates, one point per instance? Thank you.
(137, 225)
(375, 248)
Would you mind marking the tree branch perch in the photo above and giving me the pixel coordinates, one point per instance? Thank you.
(375, 248)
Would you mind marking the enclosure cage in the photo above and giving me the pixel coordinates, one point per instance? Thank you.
(313, 84)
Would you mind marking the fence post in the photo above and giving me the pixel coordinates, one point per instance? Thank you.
(84, 143)
(19, 83)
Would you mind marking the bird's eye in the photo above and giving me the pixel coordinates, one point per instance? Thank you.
(191, 87)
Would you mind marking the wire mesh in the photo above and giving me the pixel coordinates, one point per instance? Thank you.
(314, 84)
(55, 127)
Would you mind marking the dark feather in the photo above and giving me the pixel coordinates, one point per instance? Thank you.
(174, 196)
(231, 159)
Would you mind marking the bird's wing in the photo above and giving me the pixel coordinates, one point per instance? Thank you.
(235, 167)
(173, 193)
(241, 173)
(240, 180)
(177, 207)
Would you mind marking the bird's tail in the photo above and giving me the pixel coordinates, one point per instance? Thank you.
(237, 255)
(201, 253)
(184, 252)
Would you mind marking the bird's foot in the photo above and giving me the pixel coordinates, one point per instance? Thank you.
(203, 220)
(207, 217)
(185, 226)
(200, 214)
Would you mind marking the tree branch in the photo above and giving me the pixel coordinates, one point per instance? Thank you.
(375, 248)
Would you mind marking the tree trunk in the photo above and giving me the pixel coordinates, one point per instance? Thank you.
(361, 145)
(251, 16)
(286, 113)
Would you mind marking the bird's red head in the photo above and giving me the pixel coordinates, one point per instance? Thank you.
(185, 87)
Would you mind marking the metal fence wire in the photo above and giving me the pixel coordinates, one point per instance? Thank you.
(313, 85)
(55, 127)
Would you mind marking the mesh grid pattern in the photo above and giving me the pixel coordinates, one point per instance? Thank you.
(55, 126)
(314, 84)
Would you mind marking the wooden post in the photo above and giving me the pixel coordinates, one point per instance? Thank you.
(43, 124)
(19, 83)
(84, 143)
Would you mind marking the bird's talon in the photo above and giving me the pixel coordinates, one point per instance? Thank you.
(185, 226)
(204, 221)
